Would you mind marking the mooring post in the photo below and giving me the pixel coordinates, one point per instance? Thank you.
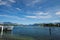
(50, 33)
(1, 30)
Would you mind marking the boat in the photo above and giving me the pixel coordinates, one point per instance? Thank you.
(6, 27)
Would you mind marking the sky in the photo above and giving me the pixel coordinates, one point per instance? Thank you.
(30, 11)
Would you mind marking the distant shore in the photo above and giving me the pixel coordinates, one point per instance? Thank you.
(48, 24)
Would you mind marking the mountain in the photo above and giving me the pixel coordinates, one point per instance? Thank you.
(8, 23)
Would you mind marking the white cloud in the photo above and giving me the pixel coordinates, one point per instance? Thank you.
(13, 17)
(13, 1)
(33, 2)
(56, 21)
(36, 1)
(3, 3)
(38, 13)
(18, 9)
(38, 17)
(7, 2)
(31, 16)
(41, 13)
(47, 16)
(58, 13)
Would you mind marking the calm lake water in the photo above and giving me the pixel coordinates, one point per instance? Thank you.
(35, 33)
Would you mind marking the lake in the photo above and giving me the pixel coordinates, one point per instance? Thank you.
(32, 33)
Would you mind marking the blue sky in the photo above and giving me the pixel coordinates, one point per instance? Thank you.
(30, 11)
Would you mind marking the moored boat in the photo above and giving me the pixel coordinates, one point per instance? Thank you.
(6, 27)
